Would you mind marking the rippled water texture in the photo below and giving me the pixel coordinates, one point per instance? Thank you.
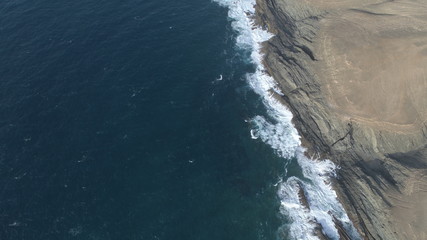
(114, 125)
(148, 119)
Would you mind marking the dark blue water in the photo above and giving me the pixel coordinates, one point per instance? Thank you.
(112, 125)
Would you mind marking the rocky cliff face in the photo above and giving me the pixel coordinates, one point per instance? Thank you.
(379, 139)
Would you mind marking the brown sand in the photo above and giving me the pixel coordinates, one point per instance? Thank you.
(373, 64)
(410, 209)
(374, 61)
(353, 73)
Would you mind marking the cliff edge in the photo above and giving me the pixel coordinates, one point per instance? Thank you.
(354, 74)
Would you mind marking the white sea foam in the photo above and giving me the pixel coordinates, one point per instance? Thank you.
(277, 131)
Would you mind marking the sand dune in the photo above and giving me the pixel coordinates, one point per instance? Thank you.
(374, 61)
(373, 69)
(354, 74)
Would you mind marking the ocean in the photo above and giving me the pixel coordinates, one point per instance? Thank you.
(148, 119)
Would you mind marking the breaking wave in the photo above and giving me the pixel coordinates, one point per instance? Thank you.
(309, 203)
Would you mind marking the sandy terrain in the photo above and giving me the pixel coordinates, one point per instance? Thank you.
(410, 209)
(354, 75)
(374, 61)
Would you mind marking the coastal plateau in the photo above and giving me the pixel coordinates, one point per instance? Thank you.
(354, 74)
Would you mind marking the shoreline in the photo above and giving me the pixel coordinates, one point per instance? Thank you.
(308, 200)
(377, 165)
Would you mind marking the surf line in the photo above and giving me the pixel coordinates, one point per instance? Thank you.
(310, 204)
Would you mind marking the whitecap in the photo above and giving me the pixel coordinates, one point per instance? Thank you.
(277, 130)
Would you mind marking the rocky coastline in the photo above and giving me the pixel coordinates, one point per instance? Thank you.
(382, 180)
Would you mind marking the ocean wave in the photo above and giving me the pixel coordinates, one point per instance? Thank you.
(310, 202)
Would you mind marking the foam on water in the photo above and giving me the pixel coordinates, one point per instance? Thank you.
(277, 131)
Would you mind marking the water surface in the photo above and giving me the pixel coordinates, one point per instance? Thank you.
(113, 124)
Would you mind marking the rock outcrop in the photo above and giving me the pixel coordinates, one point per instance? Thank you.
(354, 74)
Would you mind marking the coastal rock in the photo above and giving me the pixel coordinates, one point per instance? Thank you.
(353, 74)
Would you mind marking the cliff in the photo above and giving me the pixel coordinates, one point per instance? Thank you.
(354, 75)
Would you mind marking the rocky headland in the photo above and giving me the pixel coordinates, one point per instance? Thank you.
(354, 74)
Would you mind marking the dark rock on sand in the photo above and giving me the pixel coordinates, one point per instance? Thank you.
(354, 74)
